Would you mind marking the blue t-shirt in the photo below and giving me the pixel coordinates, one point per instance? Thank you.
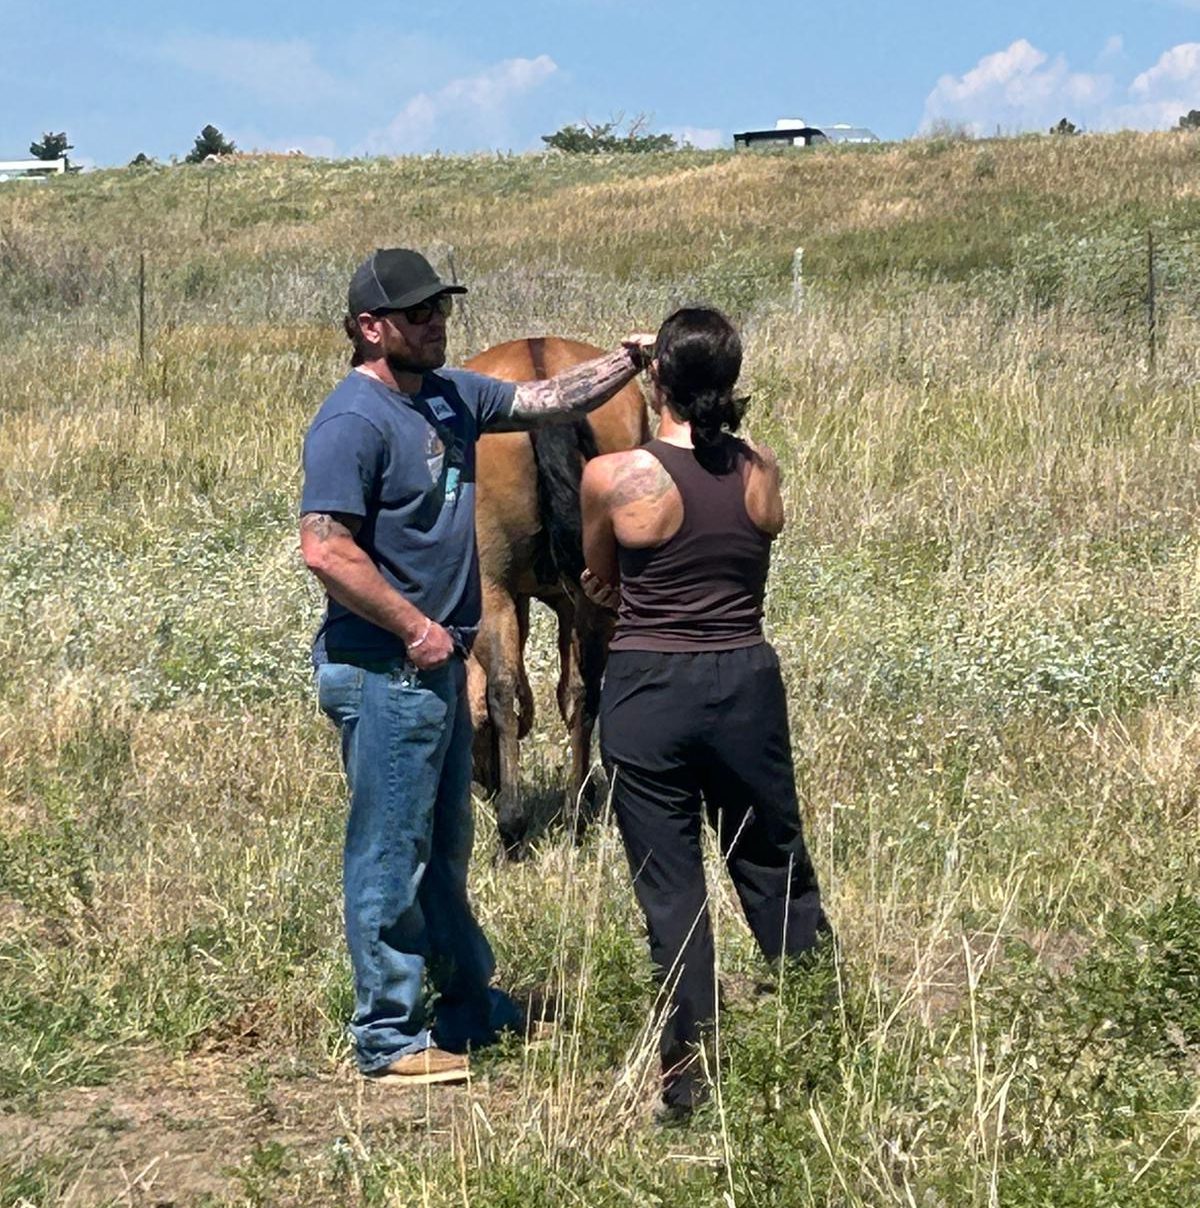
(406, 465)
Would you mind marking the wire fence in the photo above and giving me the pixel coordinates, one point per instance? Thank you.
(1134, 283)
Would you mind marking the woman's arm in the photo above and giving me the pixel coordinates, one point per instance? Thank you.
(764, 499)
(599, 539)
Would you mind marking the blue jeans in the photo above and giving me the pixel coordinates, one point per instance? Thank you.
(406, 746)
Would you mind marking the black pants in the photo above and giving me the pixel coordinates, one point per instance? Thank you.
(694, 734)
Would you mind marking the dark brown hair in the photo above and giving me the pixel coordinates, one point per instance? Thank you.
(354, 334)
(699, 355)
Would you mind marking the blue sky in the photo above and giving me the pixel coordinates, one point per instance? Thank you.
(462, 75)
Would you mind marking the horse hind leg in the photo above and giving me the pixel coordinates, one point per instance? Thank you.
(592, 631)
(583, 635)
(524, 691)
(485, 756)
(567, 688)
(499, 651)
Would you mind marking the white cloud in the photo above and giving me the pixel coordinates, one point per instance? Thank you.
(1113, 48)
(468, 113)
(1022, 88)
(703, 138)
(279, 72)
(1159, 95)
(1016, 89)
(1179, 67)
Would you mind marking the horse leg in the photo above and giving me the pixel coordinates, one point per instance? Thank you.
(499, 650)
(485, 757)
(565, 691)
(524, 691)
(583, 634)
(570, 695)
(592, 630)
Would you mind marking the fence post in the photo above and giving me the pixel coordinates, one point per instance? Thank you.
(465, 313)
(798, 280)
(142, 309)
(1151, 309)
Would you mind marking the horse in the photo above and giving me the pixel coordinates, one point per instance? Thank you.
(530, 537)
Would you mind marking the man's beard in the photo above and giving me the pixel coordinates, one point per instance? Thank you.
(401, 364)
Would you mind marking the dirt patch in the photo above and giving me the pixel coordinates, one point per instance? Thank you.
(171, 1134)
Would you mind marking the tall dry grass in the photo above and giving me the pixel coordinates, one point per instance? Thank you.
(985, 603)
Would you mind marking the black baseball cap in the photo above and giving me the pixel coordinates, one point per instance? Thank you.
(394, 277)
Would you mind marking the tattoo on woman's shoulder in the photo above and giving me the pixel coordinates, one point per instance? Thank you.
(635, 481)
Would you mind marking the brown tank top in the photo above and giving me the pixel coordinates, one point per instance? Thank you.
(701, 589)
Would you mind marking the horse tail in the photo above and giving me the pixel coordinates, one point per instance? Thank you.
(560, 451)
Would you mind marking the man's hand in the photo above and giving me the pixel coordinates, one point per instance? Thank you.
(432, 650)
(640, 346)
(327, 541)
(599, 592)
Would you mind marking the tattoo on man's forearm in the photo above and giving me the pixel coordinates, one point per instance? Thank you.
(576, 390)
(326, 525)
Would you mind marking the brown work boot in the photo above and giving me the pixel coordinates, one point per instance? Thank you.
(420, 1069)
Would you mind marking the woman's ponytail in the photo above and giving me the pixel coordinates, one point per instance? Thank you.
(712, 412)
(699, 356)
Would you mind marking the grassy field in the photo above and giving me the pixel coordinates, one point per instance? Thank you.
(987, 605)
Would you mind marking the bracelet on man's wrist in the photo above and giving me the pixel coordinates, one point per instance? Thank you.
(428, 627)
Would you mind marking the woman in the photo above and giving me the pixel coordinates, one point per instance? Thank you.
(693, 715)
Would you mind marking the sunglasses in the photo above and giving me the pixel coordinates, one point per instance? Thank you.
(422, 312)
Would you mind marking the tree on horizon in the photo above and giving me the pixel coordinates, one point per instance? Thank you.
(597, 138)
(210, 141)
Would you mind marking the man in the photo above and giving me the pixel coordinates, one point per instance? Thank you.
(388, 526)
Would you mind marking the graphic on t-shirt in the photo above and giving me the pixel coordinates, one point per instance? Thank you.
(445, 455)
(435, 454)
(441, 410)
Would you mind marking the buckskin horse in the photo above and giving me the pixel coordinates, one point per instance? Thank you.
(530, 537)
